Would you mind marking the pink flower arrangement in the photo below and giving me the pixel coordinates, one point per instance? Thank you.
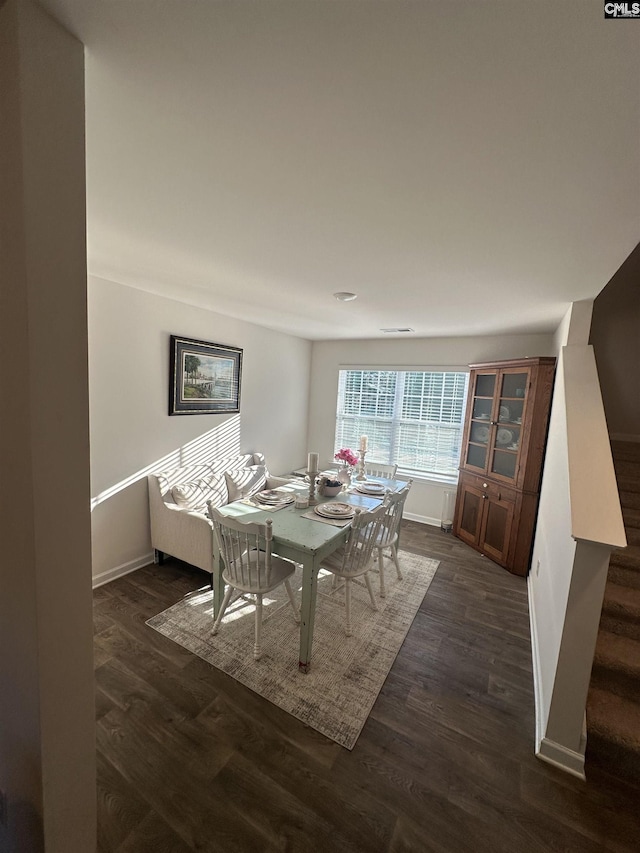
(347, 456)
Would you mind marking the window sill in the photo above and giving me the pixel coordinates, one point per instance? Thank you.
(434, 479)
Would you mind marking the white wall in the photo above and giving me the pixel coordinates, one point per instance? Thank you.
(425, 499)
(131, 431)
(47, 713)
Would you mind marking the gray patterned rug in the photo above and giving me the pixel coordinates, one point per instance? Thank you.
(346, 675)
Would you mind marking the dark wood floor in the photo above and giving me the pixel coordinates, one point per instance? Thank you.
(188, 759)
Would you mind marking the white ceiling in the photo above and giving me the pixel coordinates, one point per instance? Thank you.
(466, 167)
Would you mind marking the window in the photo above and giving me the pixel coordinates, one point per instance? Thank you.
(413, 418)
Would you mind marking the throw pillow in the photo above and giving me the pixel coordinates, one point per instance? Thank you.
(246, 481)
(196, 495)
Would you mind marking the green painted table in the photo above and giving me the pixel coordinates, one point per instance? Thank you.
(302, 540)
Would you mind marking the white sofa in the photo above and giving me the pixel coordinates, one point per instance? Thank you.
(178, 499)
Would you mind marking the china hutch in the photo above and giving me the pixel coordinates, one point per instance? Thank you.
(502, 453)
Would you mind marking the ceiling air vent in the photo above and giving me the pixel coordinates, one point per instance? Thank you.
(395, 331)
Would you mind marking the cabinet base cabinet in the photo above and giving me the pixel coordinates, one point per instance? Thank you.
(497, 522)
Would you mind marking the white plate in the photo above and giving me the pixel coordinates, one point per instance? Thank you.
(335, 510)
(504, 413)
(504, 436)
(371, 488)
(271, 497)
(481, 434)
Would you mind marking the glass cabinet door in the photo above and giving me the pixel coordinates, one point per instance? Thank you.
(511, 409)
(477, 450)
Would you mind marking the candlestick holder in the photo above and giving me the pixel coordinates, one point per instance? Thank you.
(362, 475)
(313, 476)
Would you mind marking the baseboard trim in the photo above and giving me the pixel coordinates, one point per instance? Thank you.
(621, 436)
(122, 570)
(422, 519)
(535, 660)
(545, 749)
(559, 756)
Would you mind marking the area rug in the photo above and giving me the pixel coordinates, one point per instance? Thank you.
(347, 673)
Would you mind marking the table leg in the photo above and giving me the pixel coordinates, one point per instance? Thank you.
(307, 611)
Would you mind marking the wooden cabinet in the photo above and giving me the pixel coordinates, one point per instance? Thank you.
(502, 453)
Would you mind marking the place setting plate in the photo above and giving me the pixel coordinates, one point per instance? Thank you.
(504, 436)
(335, 510)
(269, 497)
(369, 487)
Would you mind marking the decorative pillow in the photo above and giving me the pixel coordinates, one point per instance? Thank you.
(245, 482)
(196, 495)
(258, 459)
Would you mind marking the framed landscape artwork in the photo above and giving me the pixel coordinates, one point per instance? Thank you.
(204, 377)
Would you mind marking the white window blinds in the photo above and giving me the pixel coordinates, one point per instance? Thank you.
(412, 418)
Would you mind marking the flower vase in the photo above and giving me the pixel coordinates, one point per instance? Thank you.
(344, 475)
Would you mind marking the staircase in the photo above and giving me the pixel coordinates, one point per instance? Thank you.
(613, 704)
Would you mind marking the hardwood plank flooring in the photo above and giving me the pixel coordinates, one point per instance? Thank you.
(189, 759)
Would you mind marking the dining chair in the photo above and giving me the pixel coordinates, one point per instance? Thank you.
(354, 558)
(388, 532)
(249, 566)
(379, 469)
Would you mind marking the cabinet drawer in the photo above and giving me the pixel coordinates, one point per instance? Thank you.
(493, 490)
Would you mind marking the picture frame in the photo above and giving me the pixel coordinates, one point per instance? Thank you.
(204, 378)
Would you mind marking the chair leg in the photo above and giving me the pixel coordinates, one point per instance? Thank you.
(225, 603)
(383, 591)
(336, 584)
(256, 649)
(367, 580)
(296, 610)
(394, 554)
(347, 605)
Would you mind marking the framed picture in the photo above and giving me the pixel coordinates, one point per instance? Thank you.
(204, 378)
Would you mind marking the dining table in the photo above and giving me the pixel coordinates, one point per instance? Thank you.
(302, 536)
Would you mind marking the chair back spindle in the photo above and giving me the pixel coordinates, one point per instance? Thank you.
(394, 503)
(245, 549)
(379, 469)
(358, 549)
(389, 532)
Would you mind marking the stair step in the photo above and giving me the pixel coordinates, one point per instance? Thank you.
(628, 482)
(616, 665)
(624, 566)
(613, 726)
(625, 451)
(633, 534)
(623, 576)
(629, 456)
(621, 610)
(629, 500)
(628, 557)
(631, 518)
